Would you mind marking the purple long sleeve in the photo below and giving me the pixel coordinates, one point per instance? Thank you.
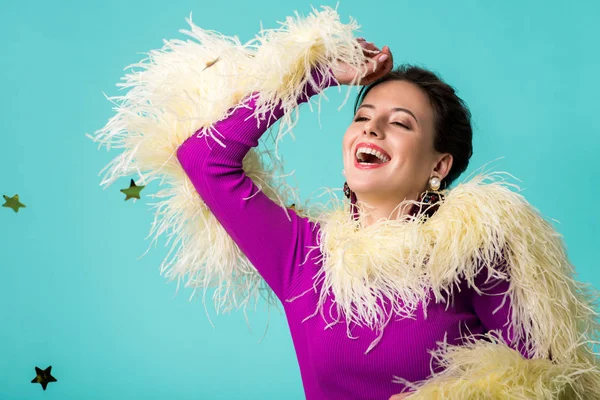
(261, 228)
(333, 367)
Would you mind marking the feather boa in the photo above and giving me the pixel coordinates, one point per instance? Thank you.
(395, 262)
(188, 86)
(478, 223)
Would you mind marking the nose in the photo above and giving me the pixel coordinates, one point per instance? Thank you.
(371, 129)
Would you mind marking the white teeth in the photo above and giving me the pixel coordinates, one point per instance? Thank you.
(367, 150)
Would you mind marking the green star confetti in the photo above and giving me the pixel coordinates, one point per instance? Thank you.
(43, 377)
(13, 202)
(133, 191)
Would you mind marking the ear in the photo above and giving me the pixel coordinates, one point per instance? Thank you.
(443, 165)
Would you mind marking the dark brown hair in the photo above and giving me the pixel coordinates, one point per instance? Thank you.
(452, 118)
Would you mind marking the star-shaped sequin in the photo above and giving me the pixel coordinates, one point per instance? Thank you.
(133, 191)
(13, 202)
(43, 377)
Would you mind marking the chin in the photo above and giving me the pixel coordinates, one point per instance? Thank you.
(363, 186)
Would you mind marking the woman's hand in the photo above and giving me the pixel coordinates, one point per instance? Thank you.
(380, 63)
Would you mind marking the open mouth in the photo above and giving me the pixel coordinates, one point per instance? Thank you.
(368, 156)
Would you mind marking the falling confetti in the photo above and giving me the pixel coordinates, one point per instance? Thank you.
(132, 191)
(211, 63)
(43, 377)
(13, 202)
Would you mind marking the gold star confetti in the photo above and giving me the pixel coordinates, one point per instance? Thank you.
(132, 191)
(43, 377)
(13, 202)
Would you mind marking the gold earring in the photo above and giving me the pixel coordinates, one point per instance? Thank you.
(434, 183)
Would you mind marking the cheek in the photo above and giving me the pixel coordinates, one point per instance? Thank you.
(346, 143)
(412, 153)
(408, 148)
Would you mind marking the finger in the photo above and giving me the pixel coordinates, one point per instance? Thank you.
(369, 69)
(384, 61)
(382, 58)
(370, 52)
(387, 50)
(369, 47)
(381, 62)
(389, 63)
(362, 42)
(375, 70)
(377, 64)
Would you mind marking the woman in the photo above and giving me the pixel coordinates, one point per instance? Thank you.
(410, 134)
(357, 282)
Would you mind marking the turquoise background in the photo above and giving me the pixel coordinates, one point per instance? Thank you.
(73, 293)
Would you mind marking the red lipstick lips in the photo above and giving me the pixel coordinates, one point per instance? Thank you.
(370, 146)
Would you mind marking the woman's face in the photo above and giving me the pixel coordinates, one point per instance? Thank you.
(397, 120)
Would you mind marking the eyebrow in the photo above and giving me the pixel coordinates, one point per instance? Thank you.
(395, 109)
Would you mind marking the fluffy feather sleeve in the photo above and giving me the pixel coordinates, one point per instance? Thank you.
(545, 349)
(185, 88)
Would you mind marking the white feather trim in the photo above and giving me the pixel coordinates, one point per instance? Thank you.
(485, 367)
(394, 262)
(188, 86)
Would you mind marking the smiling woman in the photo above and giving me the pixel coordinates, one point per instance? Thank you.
(357, 280)
(423, 129)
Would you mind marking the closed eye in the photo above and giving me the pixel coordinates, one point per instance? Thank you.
(360, 119)
(400, 124)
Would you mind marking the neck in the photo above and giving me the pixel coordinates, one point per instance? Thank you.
(384, 208)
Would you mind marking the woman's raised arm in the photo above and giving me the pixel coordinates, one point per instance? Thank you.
(261, 228)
